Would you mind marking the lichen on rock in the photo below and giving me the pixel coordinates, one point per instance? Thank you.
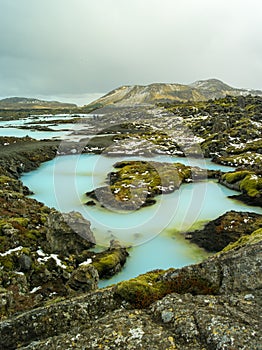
(227, 317)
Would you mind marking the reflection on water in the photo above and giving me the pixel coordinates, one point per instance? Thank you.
(62, 182)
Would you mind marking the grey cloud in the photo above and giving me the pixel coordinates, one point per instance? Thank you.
(86, 46)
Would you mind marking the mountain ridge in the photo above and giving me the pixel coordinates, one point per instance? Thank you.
(32, 103)
(201, 90)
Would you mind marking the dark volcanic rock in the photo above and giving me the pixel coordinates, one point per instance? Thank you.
(25, 155)
(68, 233)
(227, 319)
(229, 227)
(256, 201)
(84, 278)
(247, 181)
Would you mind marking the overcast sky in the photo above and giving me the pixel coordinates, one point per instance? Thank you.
(77, 49)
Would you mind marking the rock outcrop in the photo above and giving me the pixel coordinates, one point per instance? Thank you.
(111, 261)
(213, 305)
(228, 228)
(84, 279)
(246, 181)
(136, 183)
(68, 233)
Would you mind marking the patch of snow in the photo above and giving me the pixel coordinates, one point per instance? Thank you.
(87, 262)
(44, 258)
(10, 251)
(254, 177)
(35, 289)
(40, 252)
(136, 333)
(58, 261)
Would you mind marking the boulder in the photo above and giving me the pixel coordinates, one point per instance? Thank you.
(111, 261)
(84, 278)
(68, 233)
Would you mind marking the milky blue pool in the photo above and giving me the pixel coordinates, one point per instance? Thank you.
(153, 232)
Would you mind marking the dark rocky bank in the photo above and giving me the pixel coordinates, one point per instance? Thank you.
(44, 254)
(226, 229)
(212, 305)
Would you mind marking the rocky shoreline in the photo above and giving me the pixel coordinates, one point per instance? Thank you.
(212, 305)
(44, 254)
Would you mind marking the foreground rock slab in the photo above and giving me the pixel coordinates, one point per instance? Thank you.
(227, 318)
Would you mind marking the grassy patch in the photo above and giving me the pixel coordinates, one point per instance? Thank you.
(142, 291)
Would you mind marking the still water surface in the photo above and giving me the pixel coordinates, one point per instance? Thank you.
(153, 232)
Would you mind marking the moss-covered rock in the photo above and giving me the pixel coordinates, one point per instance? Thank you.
(241, 160)
(136, 183)
(227, 228)
(143, 290)
(109, 262)
(253, 238)
(83, 279)
(246, 181)
(196, 313)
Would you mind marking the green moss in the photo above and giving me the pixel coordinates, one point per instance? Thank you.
(32, 234)
(252, 185)
(21, 221)
(4, 223)
(146, 289)
(243, 159)
(54, 301)
(249, 182)
(7, 262)
(236, 176)
(45, 209)
(4, 179)
(140, 291)
(107, 262)
(255, 237)
(198, 225)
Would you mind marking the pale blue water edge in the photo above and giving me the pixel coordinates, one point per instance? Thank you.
(153, 232)
(62, 131)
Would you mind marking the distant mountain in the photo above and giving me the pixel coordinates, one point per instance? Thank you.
(201, 90)
(32, 103)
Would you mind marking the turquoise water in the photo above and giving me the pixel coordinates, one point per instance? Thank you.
(38, 135)
(62, 131)
(153, 232)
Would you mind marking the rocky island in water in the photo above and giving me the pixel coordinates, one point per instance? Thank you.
(50, 262)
